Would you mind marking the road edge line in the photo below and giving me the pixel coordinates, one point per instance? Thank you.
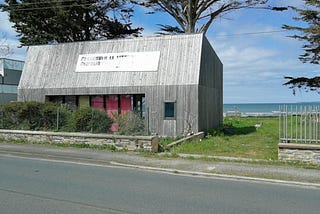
(219, 176)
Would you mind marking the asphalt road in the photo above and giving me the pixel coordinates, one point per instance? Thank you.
(38, 186)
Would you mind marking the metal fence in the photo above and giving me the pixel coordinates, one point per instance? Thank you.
(299, 124)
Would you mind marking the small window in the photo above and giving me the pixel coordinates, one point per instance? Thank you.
(169, 110)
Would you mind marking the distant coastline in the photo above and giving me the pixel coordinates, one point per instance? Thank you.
(262, 109)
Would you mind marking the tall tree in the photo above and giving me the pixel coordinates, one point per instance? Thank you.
(310, 34)
(43, 21)
(195, 16)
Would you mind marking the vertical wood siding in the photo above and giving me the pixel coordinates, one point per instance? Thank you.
(50, 70)
(210, 89)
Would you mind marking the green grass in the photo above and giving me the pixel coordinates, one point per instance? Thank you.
(239, 138)
(167, 141)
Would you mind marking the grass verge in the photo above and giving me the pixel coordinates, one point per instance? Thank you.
(239, 138)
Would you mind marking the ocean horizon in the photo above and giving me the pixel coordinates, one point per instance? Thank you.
(263, 107)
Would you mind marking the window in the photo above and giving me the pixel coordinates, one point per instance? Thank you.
(97, 102)
(169, 110)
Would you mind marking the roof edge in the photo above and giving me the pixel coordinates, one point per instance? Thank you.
(123, 39)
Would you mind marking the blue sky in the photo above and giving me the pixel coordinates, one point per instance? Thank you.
(254, 64)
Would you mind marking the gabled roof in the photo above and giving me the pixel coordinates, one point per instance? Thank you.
(54, 66)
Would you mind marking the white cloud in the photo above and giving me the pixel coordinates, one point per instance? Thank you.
(255, 65)
(10, 37)
(6, 25)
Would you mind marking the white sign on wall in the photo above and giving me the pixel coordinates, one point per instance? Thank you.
(126, 61)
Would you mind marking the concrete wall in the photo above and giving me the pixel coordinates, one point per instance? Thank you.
(306, 153)
(145, 143)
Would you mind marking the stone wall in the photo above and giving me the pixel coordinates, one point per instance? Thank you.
(145, 143)
(307, 153)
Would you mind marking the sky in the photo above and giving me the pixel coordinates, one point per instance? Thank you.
(254, 62)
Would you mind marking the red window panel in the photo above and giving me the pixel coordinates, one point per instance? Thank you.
(112, 108)
(97, 102)
(125, 104)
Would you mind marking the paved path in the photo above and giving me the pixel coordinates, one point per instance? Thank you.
(192, 166)
(34, 186)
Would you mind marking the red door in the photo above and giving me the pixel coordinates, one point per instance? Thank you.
(112, 108)
(125, 104)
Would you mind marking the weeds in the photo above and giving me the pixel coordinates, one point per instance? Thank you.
(238, 138)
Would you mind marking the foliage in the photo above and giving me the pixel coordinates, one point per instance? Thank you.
(81, 120)
(100, 122)
(90, 120)
(307, 84)
(130, 123)
(196, 16)
(45, 116)
(167, 140)
(242, 140)
(17, 115)
(29, 115)
(64, 113)
(311, 35)
(43, 21)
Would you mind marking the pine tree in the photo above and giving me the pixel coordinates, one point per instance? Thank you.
(56, 21)
(311, 36)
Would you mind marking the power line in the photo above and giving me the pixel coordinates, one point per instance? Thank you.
(251, 33)
(51, 7)
(18, 6)
(43, 2)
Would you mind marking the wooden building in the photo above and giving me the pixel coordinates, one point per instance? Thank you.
(175, 82)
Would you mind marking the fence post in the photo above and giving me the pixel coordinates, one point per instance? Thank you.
(147, 113)
(92, 121)
(2, 119)
(58, 116)
(296, 124)
(280, 115)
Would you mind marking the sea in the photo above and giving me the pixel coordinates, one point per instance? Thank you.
(263, 109)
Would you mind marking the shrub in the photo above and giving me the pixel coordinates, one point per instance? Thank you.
(48, 116)
(130, 123)
(101, 122)
(30, 113)
(90, 120)
(9, 113)
(19, 115)
(64, 114)
(80, 120)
